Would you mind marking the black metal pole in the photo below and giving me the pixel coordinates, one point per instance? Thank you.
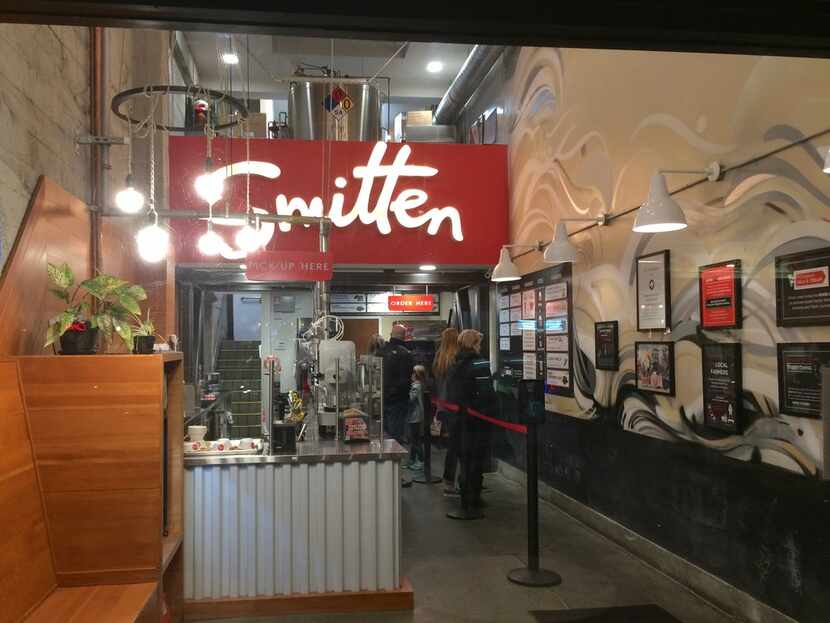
(532, 575)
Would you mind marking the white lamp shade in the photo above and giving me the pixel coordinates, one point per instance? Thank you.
(505, 270)
(827, 161)
(560, 248)
(660, 213)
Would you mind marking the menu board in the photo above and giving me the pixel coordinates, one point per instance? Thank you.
(799, 378)
(720, 295)
(381, 303)
(541, 313)
(504, 343)
(722, 386)
(802, 288)
(504, 301)
(504, 330)
(653, 292)
(607, 345)
(504, 315)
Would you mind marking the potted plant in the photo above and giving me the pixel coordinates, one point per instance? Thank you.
(144, 335)
(103, 303)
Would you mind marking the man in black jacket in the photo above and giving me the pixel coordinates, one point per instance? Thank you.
(397, 379)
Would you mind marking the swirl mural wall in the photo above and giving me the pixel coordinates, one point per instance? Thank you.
(587, 130)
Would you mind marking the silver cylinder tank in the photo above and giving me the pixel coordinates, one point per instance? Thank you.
(309, 119)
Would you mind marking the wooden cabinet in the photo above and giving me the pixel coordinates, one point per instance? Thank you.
(107, 434)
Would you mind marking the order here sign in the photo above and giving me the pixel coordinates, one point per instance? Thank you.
(411, 302)
(289, 266)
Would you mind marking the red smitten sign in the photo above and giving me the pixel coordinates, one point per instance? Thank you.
(411, 302)
(289, 266)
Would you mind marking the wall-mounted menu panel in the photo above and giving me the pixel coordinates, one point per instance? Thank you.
(540, 344)
(383, 303)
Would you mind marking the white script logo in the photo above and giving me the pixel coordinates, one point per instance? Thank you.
(388, 202)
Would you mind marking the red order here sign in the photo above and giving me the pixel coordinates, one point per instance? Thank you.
(411, 302)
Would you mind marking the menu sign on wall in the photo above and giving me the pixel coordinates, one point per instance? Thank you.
(802, 288)
(653, 292)
(799, 378)
(720, 295)
(378, 303)
(722, 386)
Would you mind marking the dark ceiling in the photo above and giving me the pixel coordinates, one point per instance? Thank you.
(793, 29)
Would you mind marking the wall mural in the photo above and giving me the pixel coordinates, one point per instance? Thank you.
(588, 130)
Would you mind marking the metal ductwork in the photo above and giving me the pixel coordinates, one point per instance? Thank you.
(472, 73)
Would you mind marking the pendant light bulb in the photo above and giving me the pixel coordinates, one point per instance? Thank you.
(208, 186)
(129, 200)
(153, 242)
(210, 243)
(248, 238)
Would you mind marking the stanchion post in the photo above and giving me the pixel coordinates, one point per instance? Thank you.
(533, 575)
(427, 478)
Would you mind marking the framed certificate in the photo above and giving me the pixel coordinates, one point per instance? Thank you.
(720, 295)
(802, 289)
(799, 377)
(653, 292)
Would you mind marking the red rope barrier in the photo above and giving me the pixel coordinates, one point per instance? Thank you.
(453, 408)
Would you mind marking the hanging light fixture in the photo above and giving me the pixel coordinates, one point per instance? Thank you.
(153, 241)
(210, 243)
(827, 162)
(248, 237)
(661, 213)
(128, 199)
(208, 186)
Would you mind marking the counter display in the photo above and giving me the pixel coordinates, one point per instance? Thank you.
(324, 520)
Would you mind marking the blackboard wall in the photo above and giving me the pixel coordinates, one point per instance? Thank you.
(760, 528)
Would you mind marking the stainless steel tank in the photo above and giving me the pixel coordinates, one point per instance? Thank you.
(309, 119)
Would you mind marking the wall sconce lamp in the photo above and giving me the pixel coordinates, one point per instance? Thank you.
(660, 212)
(506, 270)
(560, 249)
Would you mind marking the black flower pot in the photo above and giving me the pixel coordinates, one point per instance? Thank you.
(143, 344)
(79, 342)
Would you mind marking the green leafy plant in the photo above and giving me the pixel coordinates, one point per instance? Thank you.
(143, 327)
(104, 302)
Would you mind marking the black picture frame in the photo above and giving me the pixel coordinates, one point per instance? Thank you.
(722, 369)
(607, 351)
(799, 392)
(667, 377)
(737, 302)
(815, 260)
(666, 261)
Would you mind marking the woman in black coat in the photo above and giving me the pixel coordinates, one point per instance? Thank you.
(471, 387)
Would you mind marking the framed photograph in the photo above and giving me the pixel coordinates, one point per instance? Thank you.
(802, 289)
(654, 363)
(799, 378)
(720, 295)
(722, 386)
(607, 345)
(653, 292)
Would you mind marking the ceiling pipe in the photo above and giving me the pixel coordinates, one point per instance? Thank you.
(478, 64)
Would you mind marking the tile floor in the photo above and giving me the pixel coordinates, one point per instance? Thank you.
(458, 569)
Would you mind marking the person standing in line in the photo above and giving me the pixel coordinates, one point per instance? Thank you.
(375, 346)
(398, 363)
(444, 359)
(415, 418)
(471, 387)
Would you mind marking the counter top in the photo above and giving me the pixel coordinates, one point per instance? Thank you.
(324, 451)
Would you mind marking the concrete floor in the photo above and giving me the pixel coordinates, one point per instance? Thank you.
(458, 568)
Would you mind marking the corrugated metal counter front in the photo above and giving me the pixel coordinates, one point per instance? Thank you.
(325, 520)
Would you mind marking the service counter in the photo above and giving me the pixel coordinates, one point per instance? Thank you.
(324, 520)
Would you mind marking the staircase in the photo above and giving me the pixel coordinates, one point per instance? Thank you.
(240, 367)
